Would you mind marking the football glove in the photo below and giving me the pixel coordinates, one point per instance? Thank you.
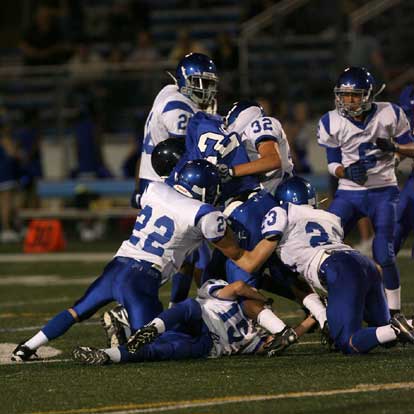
(356, 172)
(281, 341)
(386, 145)
(326, 339)
(226, 173)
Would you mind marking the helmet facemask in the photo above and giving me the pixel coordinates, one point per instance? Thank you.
(201, 89)
(348, 108)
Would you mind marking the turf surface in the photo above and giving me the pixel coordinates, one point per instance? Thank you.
(306, 379)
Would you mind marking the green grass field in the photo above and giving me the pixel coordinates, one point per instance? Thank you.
(306, 379)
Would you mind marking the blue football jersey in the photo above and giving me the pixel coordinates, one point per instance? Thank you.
(207, 139)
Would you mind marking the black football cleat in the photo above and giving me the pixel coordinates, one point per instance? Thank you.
(23, 353)
(141, 337)
(90, 356)
(403, 330)
(116, 325)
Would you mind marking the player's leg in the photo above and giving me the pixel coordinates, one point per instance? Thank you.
(405, 215)
(185, 317)
(97, 295)
(383, 214)
(168, 346)
(137, 290)
(344, 205)
(346, 303)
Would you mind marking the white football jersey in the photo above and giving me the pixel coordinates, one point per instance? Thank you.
(169, 227)
(306, 233)
(168, 118)
(356, 141)
(232, 332)
(267, 129)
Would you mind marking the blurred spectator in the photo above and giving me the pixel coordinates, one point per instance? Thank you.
(185, 44)
(9, 173)
(299, 130)
(226, 58)
(72, 18)
(139, 10)
(116, 54)
(255, 7)
(28, 140)
(364, 50)
(226, 53)
(43, 43)
(90, 161)
(86, 63)
(144, 51)
(121, 24)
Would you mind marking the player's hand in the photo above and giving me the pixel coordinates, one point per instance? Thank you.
(356, 172)
(135, 199)
(226, 173)
(386, 145)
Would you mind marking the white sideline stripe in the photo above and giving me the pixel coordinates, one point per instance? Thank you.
(55, 257)
(86, 257)
(32, 328)
(34, 302)
(179, 405)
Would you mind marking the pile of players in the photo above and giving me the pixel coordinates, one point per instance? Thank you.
(219, 202)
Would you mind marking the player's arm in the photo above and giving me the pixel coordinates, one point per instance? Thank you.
(247, 260)
(388, 145)
(240, 289)
(269, 160)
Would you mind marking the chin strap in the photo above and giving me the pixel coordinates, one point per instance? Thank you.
(380, 90)
(172, 77)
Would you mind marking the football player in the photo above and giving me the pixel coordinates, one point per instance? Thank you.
(174, 221)
(195, 89)
(220, 321)
(367, 181)
(311, 241)
(265, 142)
(405, 209)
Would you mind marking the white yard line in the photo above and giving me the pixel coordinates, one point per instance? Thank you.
(86, 257)
(211, 402)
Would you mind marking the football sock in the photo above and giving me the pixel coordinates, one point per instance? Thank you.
(385, 334)
(159, 324)
(313, 303)
(393, 298)
(37, 341)
(58, 325)
(114, 354)
(268, 320)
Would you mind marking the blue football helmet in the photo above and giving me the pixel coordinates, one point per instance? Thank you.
(198, 179)
(241, 114)
(197, 78)
(296, 190)
(356, 81)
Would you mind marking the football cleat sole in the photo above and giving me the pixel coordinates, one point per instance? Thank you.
(141, 337)
(90, 356)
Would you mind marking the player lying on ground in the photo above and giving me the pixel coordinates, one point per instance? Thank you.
(311, 240)
(173, 222)
(218, 322)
